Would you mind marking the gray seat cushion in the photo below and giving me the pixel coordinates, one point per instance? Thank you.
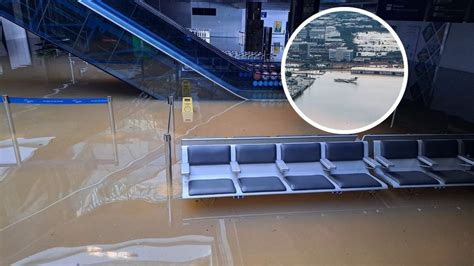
(358, 180)
(255, 153)
(440, 148)
(399, 149)
(300, 152)
(208, 154)
(261, 184)
(345, 151)
(407, 178)
(211, 186)
(455, 176)
(309, 182)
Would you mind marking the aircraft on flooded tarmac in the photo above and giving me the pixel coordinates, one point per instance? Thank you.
(352, 80)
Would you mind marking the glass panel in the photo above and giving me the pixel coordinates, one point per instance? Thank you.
(82, 32)
(160, 31)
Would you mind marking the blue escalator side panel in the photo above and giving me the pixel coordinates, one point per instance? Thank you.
(142, 20)
(156, 41)
(74, 28)
(142, 47)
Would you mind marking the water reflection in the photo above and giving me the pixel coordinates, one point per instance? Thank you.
(68, 205)
(87, 170)
(188, 249)
(27, 149)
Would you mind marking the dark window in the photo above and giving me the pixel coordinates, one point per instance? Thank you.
(197, 11)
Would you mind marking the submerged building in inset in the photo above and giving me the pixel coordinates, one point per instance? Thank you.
(341, 54)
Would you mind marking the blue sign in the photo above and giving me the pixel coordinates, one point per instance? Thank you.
(19, 100)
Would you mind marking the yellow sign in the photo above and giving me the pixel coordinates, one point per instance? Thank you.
(277, 28)
(187, 109)
(186, 88)
(276, 48)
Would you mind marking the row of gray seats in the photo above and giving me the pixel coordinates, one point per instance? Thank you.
(286, 168)
(259, 169)
(425, 163)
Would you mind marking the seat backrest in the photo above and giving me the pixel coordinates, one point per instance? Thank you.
(402, 153)
(398, 149)
(443, 152)
(300, 152)
(345, 151)
(346, 156)
(469, 147)
(208, 154)
(440, 148)
(255, 153)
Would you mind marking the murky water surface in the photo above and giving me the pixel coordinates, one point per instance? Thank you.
(345, 106)
(73, 201)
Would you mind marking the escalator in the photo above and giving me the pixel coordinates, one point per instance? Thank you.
(134, 42)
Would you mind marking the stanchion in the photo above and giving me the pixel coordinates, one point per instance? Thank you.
(393, 118)
(169, 169)
(16, 148)
(113, 129)
(169, 174)
(172, 127)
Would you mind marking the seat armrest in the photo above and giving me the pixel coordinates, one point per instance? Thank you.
(466, 160)
(185, 169)
(328, 165)
(371, 162)
(384, 161)
(427, 161)
(282, 166)
(234, 167)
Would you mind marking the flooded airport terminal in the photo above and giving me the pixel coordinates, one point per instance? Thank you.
(159, 133)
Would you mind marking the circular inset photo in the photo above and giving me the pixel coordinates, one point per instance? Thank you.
(344, 70)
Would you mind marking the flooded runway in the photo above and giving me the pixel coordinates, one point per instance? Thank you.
(71, 203)
(345, 106)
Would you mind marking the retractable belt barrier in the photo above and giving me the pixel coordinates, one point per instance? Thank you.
(68, 101)
(55, 101)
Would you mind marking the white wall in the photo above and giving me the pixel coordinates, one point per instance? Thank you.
(229, 21)
(226, 23)
(277, 38)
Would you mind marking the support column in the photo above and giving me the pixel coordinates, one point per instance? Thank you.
(300, 10)
(253, 27)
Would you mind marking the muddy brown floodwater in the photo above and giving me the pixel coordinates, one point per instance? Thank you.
(72, 203)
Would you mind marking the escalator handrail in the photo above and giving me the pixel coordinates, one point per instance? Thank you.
(157, 42)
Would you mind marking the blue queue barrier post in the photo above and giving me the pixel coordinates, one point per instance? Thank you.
(173, 127)
(169, 173)
(11, 126)
(169, 166)
(169, 147)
